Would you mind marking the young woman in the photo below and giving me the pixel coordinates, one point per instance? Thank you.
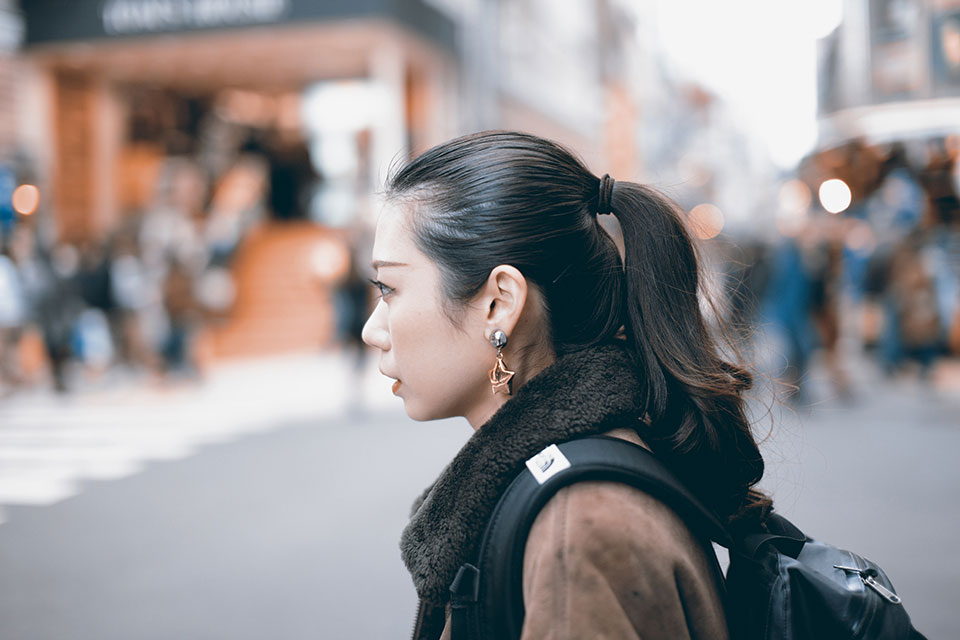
(503, 300)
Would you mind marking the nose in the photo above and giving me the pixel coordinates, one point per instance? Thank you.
(375, 331)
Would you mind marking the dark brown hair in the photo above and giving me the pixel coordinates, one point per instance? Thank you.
(498, 197)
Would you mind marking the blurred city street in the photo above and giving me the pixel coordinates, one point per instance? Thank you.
(279, 515)
(193, 441)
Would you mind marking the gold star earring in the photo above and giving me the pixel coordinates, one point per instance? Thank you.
(500, 376)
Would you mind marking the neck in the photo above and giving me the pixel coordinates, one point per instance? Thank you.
(588, 392)
(527, 363)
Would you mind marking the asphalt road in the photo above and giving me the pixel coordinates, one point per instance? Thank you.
(291, 533)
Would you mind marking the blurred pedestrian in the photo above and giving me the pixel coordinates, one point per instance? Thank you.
(93, 277)
(132, 292)
(13, 316)
(352, 304)
(54, 302)
(236, 206)
(93, 336)
(915, 314)
(290, 176)
(786, 316)
(504, 301)
(826, 279)
(183, 312)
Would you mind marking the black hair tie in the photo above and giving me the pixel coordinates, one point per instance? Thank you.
(606, 193)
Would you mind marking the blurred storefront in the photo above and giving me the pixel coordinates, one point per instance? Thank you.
(207, 167)
(236, 133)
(889, 78)
(887, 169)
(240, 142)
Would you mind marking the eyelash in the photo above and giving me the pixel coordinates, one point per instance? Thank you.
(381, 288)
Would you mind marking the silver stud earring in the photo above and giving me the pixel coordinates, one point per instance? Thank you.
(500, 376)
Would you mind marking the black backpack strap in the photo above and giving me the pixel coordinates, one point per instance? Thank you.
(780, 532)
(487, 596)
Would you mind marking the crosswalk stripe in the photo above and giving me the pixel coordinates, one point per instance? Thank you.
(49, 446)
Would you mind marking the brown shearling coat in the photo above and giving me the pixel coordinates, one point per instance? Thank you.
(602, 560)
(606, 560)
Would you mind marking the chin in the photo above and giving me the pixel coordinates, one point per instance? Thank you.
(414, 411)
(420, 413)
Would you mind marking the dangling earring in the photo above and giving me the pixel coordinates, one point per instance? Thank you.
(500, 376)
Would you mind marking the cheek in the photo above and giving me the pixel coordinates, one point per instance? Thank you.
(412, 332)
(427, 352)
(442, 370)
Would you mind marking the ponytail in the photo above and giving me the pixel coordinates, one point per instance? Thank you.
(695, 404)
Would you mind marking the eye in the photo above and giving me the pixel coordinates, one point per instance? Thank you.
(382, 289)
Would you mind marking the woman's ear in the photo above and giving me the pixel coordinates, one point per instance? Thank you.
(505, 296)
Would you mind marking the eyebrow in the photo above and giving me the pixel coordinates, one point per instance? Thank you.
(386, 263)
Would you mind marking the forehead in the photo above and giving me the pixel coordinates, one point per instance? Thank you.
(393, 241)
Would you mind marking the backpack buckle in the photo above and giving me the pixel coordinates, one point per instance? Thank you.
(466, 586)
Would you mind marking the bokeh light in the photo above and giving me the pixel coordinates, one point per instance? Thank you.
(794, 196)
(835, 195)
(859, 237)
(329, 261)
(794, 205)
(25, 199)
(706, 221)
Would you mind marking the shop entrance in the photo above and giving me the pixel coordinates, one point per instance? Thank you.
(199, 156)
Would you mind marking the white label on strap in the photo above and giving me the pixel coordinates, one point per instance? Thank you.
(547, 463)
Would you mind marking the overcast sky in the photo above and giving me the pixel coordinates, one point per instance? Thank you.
(760, 56)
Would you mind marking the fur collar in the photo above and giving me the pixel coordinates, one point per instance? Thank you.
(583, 393)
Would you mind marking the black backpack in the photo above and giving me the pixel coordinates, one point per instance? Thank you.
(780, 585)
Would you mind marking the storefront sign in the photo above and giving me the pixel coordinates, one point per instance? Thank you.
(51, 22)
(128, 17)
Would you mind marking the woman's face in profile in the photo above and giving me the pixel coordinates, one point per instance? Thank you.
(440, 369)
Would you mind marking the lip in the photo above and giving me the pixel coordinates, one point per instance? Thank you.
(396, 383)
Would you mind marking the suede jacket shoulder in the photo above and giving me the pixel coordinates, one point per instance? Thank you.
(602, 559)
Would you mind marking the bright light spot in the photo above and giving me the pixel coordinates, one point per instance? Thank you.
(329, 261)
(706, 221)
(25, 199)
(835, 195)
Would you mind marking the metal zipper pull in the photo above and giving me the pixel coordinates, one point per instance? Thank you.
(867, 576)
(888, 595)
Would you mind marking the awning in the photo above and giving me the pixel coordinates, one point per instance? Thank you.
(890, 122)
(57, 21)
